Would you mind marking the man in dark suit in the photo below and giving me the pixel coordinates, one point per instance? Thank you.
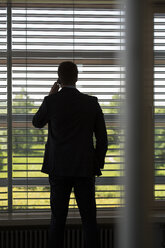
(71, 159)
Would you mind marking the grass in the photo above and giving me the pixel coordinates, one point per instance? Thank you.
(38, 197)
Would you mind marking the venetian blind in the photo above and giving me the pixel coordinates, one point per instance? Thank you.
(3, 111)
(159, 103)
(42, 37)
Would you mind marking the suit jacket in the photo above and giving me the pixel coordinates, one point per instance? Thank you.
(73, 118)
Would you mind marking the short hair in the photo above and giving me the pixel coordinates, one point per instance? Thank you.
(68, 72)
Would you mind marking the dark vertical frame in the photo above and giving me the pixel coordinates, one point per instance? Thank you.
(9, 103)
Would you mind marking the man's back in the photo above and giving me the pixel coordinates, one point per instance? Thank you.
(71, 160)
(72, 119)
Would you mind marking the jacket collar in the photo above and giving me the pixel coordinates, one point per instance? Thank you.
(70, 86)
(69, 89)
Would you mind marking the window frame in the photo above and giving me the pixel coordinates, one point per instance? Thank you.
(158, 205)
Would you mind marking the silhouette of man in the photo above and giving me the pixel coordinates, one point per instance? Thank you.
(71, 159)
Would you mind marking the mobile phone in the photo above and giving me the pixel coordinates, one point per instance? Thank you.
(58, 82)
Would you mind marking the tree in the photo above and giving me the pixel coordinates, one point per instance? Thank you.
(25, 136)
(3, 136)
(159, 141)
(114, 111)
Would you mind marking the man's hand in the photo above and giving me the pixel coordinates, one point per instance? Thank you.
(54, 88)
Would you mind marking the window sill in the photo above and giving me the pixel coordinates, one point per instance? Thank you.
(43, 218)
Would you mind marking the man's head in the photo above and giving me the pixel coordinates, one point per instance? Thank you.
(68, 73)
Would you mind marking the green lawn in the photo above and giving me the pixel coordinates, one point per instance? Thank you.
(28, 197)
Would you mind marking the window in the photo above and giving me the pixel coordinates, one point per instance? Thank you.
(42, 36)
(159, 103)
(3, 110)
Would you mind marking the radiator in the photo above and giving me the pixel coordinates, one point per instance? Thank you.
(33, 237)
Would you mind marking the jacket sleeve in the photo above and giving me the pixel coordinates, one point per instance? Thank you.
(40, 119)
(101, 136)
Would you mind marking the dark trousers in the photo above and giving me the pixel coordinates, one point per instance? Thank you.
(84, 189)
